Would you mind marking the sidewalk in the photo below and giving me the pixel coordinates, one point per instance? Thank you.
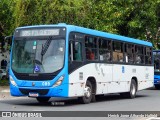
(4, 92)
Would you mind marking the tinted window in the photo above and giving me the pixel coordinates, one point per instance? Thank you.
(104, 50)
(118, 52)
(91, 48)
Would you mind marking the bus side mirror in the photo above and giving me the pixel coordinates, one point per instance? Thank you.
(8, 39)
(7, 42)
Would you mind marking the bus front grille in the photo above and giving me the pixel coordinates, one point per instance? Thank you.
(39, 91)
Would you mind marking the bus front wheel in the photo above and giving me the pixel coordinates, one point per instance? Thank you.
(43, 99)
(133, 89)
(87, 94)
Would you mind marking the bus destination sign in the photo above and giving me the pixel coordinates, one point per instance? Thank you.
(39, 32)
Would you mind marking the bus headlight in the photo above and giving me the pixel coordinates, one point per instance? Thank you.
(12, 81)
(59, 81)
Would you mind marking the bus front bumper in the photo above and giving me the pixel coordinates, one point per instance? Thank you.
(59, 91)
(157, 80)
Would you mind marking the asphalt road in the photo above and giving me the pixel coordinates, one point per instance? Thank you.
(146, 100)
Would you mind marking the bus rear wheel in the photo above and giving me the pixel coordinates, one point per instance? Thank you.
(43, 99)
(87, 94)
(133, 90)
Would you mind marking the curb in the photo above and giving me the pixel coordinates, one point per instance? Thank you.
(4, 93)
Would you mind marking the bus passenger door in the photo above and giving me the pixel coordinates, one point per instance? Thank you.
(75, 55)
(75, 70)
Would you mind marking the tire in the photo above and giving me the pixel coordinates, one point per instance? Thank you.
(87, 98)
(43, 99)
(157, 87)
(133, 90)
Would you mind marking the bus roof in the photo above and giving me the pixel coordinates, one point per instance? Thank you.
(93, 32)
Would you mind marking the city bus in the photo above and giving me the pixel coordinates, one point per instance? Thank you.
(156, 55)
(70, 61)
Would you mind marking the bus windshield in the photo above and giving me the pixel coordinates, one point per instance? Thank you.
(156, 55)
(38, 56)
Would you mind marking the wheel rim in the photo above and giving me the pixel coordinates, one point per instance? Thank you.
(87, 92)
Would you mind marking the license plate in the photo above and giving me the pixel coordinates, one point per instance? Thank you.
(33, 94)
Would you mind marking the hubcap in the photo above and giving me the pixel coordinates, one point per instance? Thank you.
(87, 92)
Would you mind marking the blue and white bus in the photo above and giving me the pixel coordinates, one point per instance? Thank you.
(70, 61)
(156, 55)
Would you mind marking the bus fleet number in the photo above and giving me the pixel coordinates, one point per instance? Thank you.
(45, 83)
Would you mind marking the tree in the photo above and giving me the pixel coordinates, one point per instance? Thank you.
(125, 17)
(5, 18)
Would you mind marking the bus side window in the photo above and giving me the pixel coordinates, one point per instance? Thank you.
(139, 54)
(104, 50)
(75, 51)
(118, 52)
(148, 54)
(129, 53)
(89, 54)
(91, 47)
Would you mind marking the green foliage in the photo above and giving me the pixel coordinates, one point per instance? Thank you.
(4, 82)
(125, 17)
(5, 17)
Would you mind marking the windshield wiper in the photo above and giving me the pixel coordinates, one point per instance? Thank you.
(45, 47)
